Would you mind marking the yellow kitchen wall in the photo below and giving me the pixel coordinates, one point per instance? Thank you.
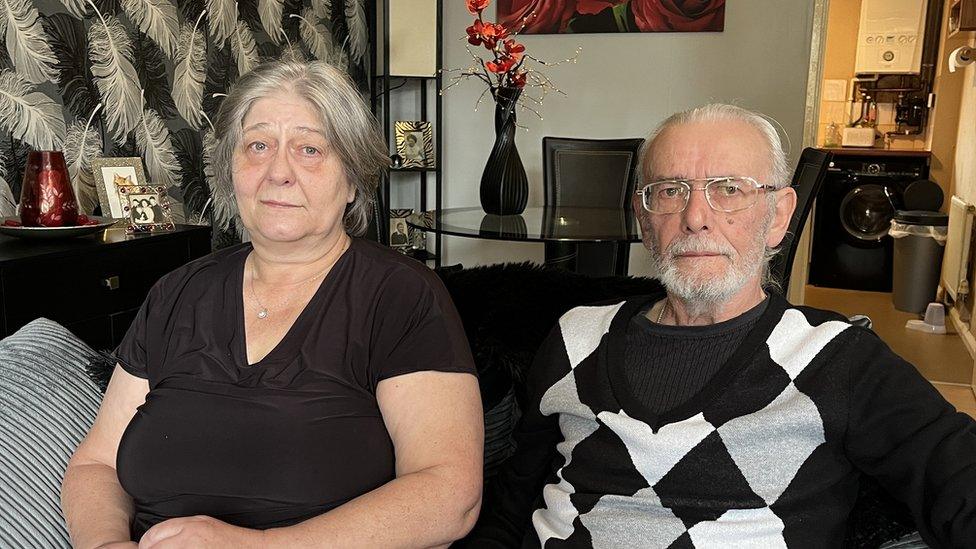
(838, 61)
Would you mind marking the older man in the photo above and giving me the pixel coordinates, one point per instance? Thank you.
(718, 414)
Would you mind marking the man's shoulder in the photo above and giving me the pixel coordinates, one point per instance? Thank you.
(817, 328)
(815, 316)
(606, 313)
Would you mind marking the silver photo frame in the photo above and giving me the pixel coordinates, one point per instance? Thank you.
(110, 174)
(146, 207)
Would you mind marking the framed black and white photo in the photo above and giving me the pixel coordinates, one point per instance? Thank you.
(415, 144)
(110, 175)
(425, 219)
(146, 207)
(401, 235)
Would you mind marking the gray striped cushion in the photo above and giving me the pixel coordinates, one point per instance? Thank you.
(47, 404)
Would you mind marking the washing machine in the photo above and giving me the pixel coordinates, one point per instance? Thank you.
(851, 248)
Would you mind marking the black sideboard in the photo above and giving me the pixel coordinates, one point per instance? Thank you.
(92, 285)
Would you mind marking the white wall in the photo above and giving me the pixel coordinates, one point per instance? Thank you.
(622, 85)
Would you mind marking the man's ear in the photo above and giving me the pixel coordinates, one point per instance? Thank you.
(782, 215)
(641, 215)
(636, 205)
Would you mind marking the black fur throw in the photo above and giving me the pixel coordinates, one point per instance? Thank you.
(508, 309)
(100, 368)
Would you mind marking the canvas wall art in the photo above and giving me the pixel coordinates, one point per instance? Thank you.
(586, 16)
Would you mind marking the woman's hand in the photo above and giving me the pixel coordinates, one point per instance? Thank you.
(199, 531)
(119, 545)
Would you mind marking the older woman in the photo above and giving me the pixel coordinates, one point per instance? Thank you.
(306, 389)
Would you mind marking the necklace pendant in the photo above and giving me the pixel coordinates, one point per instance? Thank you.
(263, 313)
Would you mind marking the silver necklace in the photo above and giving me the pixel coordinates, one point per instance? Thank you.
(660, 315)
(262, 310)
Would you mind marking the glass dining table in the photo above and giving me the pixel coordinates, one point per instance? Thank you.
(570, 227)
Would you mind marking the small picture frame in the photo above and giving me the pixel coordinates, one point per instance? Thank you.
(111, 174)
(146, 207)
(425, 219)
(401, 234)
(415, 144)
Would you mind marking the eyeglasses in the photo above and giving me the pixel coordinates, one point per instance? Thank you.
(723, 194)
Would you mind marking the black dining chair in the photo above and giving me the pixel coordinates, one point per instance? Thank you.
(593, 173)
(808, 177)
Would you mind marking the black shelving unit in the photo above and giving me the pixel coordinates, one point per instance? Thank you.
(382, 85)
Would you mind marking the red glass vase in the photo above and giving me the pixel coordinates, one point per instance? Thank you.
(46, 198)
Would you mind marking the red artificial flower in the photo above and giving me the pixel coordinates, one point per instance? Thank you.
(679, 15)
(502, 65)
(513, 49)
(518, 79)
(538, 16)
(477, 6)
(493, 33)
(474, 33)
(486, 33)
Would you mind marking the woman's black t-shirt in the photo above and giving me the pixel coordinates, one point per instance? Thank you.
(298, 433)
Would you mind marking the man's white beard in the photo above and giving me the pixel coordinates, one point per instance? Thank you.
(699, 292)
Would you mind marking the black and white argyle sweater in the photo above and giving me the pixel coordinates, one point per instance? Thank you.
(767, 455)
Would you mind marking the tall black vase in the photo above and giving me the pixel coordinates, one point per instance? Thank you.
(504, 187)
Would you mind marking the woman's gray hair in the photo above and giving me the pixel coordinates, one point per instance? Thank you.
(779, 175)
(350, 127)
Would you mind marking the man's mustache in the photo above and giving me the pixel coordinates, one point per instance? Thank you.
(698, 246)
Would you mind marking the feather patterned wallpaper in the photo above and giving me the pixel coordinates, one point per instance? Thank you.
(145, 77)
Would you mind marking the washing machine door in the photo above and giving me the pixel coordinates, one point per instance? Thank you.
(865, 213)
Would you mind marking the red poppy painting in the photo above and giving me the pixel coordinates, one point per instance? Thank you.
(584, 16)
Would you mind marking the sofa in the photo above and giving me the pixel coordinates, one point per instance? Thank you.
(51, 385)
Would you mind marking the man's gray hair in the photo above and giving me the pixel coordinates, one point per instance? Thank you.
(349, 127)
(779, 175)
(779, 169)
